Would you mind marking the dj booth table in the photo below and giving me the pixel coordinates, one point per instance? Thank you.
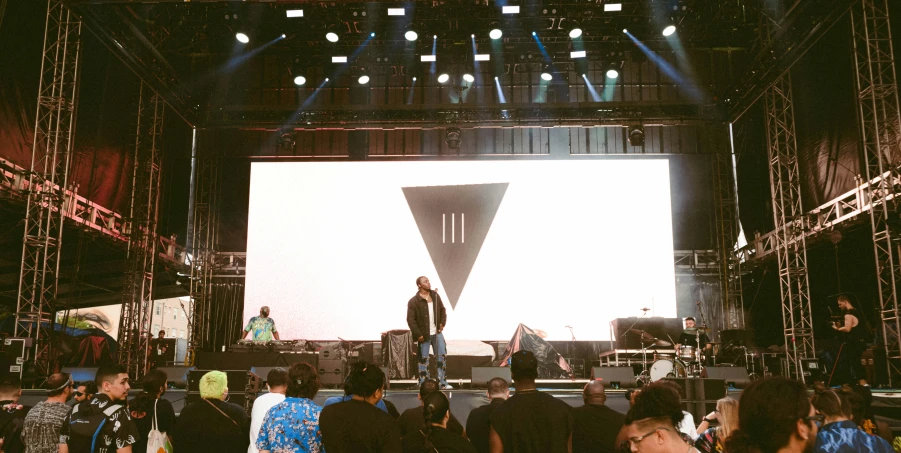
(246, 361)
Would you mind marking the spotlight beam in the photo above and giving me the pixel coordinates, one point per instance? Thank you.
(668, 69)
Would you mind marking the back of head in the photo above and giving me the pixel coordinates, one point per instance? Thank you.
(366, 379)
(658, 401)
(727, 417)
(523, 366)
(435, 407)
(768, 412)
(154, 381)
(57, 383)
(303, 381)
(277, 377)
(90, 387)
(108, 374)
(428, 387)
(10, 387)
(264, 311)
(213, 385)
(593, 393)
(497, 387)
(855, 405)
(829, 403)
(141, 404)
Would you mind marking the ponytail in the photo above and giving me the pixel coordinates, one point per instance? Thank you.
(435, 407)
(427, 413)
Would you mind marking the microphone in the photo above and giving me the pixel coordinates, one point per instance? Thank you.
(569, 327)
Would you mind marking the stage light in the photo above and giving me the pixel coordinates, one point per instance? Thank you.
(443, 78)
(434, 36)
(575, 33)
(534, 34)
(472, 35)
(578, 54)
(300, 80)
(295, 13)
(414, 79)
(669, 30)
(242, 38)
(510, 10)
(339, 59)
(331, 36)
(395, 11)
(469, 78)
(612, 74)
(495, 77)
(427, 58)
(411, 35)
(636, 136)
(625, 30)
(495, 34)
(326, 79)
(372, 35)
(613, 7)
(363, 80)
(284, 36)
(546, 76)
(482, 57)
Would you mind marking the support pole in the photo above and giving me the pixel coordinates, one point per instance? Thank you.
(54, 132)
(203, 249)
(726, 213)
(137, 295)
(785, 190)
(880, 130)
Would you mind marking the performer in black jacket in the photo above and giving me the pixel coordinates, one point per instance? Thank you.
(426, 317)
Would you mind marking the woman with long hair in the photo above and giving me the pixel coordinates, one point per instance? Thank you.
(293, 424)
(150, 404)
(712, 439)
(435, 437)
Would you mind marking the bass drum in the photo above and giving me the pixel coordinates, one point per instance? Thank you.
(666, 368)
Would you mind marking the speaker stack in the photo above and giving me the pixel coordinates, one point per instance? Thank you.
(332, 365)
(243, 387)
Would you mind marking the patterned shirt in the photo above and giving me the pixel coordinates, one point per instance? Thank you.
(845, 437)
(261, 328)
(291, 426)
(42, 425)
(119, 431)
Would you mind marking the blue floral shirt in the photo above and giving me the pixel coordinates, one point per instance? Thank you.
(261, 328)
(291, 426)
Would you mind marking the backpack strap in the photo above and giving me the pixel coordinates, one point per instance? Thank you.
(155, 423)
(108, 412)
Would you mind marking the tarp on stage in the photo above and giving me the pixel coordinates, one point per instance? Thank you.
(551, 365)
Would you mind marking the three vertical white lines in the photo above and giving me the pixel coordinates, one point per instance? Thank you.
(453, 228)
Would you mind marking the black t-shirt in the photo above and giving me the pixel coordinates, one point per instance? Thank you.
(358, 427)
(202, 428)
(442, 440)
(595, 428)
(12, 420)
(119, 430)
(411, 421)
(690, 340)
(478, 425)
(533, 422)
(165, 419)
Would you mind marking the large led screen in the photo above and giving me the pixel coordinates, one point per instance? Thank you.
(334, 248)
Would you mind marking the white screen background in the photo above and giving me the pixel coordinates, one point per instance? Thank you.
(334, 250)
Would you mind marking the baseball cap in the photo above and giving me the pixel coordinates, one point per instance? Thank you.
(523, 361)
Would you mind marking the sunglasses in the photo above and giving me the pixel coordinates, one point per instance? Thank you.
(77, 393)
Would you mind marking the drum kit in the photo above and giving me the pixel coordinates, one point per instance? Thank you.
(687, 362)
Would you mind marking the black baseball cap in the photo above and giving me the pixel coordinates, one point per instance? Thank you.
(523, 363)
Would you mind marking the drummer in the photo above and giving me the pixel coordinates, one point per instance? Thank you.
(690, 337)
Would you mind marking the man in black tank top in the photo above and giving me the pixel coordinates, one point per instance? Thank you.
(856, 333)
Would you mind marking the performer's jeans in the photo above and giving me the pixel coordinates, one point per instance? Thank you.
(437, 343)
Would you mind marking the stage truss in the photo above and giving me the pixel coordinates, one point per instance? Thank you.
(54, 133)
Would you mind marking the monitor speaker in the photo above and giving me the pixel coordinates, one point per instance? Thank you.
(735, 377)
(332, 371)
(614, 377)
(177, 375)
(482, 374)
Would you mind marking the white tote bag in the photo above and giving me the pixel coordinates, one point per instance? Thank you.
(157, 441)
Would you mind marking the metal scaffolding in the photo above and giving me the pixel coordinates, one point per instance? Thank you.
(880, 125)
(54, 133)
(204, 240)
(726, 214)
(791, 247)
(137, 294)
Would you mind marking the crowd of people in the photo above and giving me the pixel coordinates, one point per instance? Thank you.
(772, 415)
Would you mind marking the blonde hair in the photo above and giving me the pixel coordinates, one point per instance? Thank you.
(213, 385)
(727, 418)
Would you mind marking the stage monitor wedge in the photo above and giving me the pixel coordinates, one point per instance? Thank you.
(614, 377)
(482, 374)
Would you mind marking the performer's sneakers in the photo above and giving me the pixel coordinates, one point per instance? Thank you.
(447, 387)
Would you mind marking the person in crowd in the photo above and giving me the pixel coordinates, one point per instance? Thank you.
(710, 439)
(263, 327)
(12, 414)
(687, 425)
(860, 399)
(839, 434)
(43, 422)
(426, 318)
(277, 383)
(652, 422)
(293, 424)
(357, 426)
(85, 391)
(775, 415)
(478, 424)
(383, 403)
(434, 435)
(102, 424)
(411, 420)
(149, 404)
(595, 426)
(622, 439)
(212, 424)
(530, 421)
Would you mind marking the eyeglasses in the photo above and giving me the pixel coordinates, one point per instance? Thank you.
(818, 419)
(636, 440)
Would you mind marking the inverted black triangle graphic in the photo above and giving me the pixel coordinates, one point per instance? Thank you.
(453, 222)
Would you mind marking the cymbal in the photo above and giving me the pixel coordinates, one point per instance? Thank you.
(714, 343)
(694, 330)
(663, 343)
(644, 335)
